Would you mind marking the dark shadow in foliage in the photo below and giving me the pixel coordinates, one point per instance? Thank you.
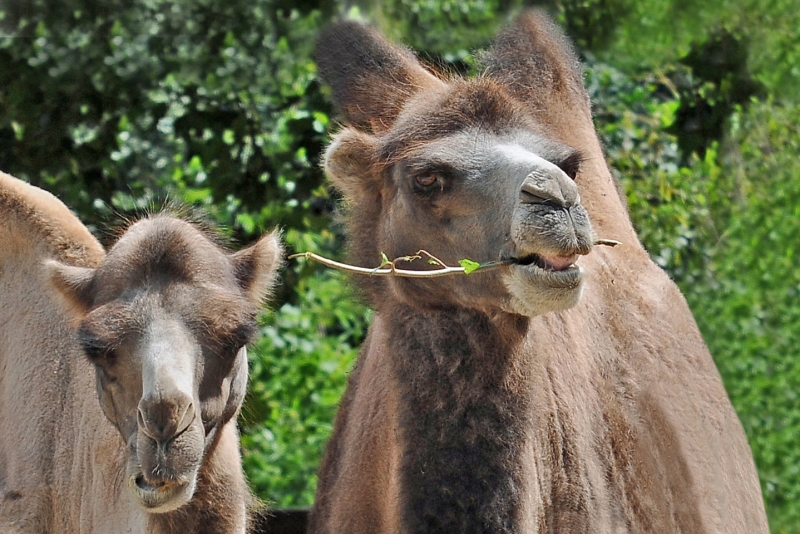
(719, 81)
(592, 24)
(103, 98)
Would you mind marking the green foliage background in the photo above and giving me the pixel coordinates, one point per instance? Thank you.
(115, 106)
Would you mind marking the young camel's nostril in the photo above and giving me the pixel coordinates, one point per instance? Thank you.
(186, 420)
(164, 419)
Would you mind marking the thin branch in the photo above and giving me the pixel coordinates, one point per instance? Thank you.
(391, 270)
(389, 267)
(607, 242)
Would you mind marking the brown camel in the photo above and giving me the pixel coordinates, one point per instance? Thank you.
(567, 392)
(155, 331)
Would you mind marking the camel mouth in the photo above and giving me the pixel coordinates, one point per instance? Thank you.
(160, 496)
(565, 278)
(547, 272)
(548, 263)
(539, 284)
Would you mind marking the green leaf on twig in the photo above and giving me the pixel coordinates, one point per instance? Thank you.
(468, 265)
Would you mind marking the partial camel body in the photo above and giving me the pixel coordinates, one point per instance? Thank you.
(568, 391)
(121, 374)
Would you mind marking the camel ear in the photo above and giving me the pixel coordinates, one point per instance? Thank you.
(536, 62)
(371, 78)
(256, 267)
(347, 164)
(74, 285)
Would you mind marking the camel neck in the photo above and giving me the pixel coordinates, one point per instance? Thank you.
(462, 420)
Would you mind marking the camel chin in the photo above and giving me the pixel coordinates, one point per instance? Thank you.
(534, 290)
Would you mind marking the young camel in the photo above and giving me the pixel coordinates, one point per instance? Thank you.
(540, 396)
(155, 331)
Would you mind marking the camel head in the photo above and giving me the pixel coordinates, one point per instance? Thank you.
(462, 168)
(165, 320)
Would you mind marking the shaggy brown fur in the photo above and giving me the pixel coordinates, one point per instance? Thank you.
(155, 331)
(537, 397)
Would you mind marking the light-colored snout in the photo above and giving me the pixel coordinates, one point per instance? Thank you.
(552, 222)
(167, 406)
(550, 229)
(162, 471)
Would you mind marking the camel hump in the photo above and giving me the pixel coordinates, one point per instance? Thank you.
(31, 219)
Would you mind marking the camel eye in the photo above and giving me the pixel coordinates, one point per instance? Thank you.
(427, 180)
(97, 350)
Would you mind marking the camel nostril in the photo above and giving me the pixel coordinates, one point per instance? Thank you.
(141, 419)
(188, 417)
(531, 197)
(542, 189)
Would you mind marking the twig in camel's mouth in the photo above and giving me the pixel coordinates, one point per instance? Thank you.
(551, 264)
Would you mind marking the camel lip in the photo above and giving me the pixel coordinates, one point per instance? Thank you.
(156, 495)
(564, 263)
(144, 484)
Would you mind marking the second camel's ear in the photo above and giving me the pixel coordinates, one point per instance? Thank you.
(371, 78)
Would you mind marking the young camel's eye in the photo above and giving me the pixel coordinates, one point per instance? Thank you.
(102, 356)
(99, 351)
(239, 336)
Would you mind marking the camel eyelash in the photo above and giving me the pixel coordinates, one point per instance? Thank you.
(571, 165)
(95, 349)
(241, 335)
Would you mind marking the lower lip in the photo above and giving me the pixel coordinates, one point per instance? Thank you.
(142, 484)
(154, 496)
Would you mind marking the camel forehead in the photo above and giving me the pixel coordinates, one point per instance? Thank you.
(469, 115)
(481, 150)
(461, 105)
(211, 313)
(160, 251)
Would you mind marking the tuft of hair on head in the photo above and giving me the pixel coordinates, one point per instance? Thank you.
(116, 227)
